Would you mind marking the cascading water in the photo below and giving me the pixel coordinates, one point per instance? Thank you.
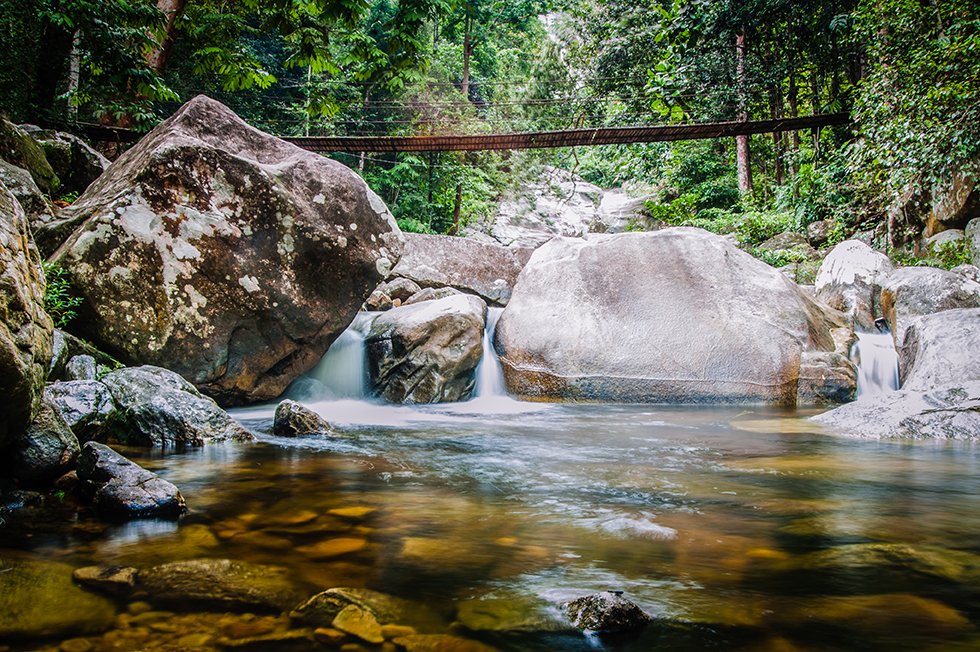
(489, 377)
(877, 361)
(342, 372)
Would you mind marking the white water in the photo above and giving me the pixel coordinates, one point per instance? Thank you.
(877, 361)
(342, 371)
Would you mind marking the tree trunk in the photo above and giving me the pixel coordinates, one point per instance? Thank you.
(815, 85)
(74, 73)
(457, 209)
(467, 51)
(794, 136)
(742, 142)
(157, 59)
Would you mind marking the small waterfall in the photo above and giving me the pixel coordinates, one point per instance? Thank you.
(342, 371)
(877, 361)
(489, 376)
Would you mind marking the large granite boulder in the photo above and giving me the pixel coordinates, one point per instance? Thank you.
(19, 148)
(427, 352)
(86, 406)
(910, 292)
(947, 412)
(679, 316)
(73, 160)
(21, 185)
(156, 407)
(972, 233)
(224, 254)
(121, 489)
(850, 280)
(941, 349)
(434, 261)
(25, 328)
(46, 451)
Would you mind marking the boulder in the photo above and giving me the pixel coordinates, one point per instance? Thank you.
(156, 407)
(38, 600)
(432, 294)
(73, 160)
(220, 584)
(46, 451)
(678, 316)
(968, 271)
(427, 352)
(17, 147)
(433, 261)
(953, 203)
(378, 300)
(943, 239)
(224, 254)
(121, 489)
(947, 412)
(941, 349)
(86, 406)
(81, 367)
(294, 420)
(910, 292)
(323, 608)
(826, 378)
(607, 612)
(402, 288)
(785, 241)
(25, 328)
(21, 185)
(619, 211)
(850, 279)
(818, 233)
(972, 234)
(66, 346)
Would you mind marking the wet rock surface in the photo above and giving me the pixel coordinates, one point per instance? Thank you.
(86, 406)
(156, 407)
(121, 489)
(606, 612)
(233, 258)
(294, 420)
(940, 350)
(47, 450)
(427, 352)
(703, 322)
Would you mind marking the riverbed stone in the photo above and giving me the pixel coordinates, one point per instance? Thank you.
(46, 451)
(427, 352)
(606, 612)
(431, 294)
(25, 327)
(224, 254)
(911, 292)
(433, 261)
(80, 367)
(946, 412)
(826, 378)
(401, 288)
(221, 584)
(86, 406)
(941, 349)
(359, 623)
(296, 420)
(850, 280)
(679, 316)
(440, 643)
(157, 407)
(121, 489)
(323, 608)
(509, 617)
(38, 599)
(113, 579)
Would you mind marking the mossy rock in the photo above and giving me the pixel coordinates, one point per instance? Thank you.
(19, 148)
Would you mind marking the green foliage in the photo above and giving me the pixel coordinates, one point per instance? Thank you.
(58, 299)
(946, 256)
(781, 257)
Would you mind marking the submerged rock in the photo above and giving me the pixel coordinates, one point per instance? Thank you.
(221, 584)
(941, 349)
(117, 580)
(295, 420)
(25, 328)
(677, 316)
(427, 352)
(121, 489)
(156, 407)
(322, 609)
(911, 292)
(440, 643)
(606, 612)
(224, 254)
(850, 280)
(39, 600)
(509, 617)
(948, 412)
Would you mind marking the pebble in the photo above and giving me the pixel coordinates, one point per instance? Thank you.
(352, 512)
(76, 645)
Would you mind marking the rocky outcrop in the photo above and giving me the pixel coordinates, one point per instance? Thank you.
(21, 185)
(434, 261)
(818, 233)
(224, 254)
(972, 234)
(427, 352)
(607, 612)
(76, 164)
(850, 280)
(47, 450)
(910, 292)
(156, 407)
(947, 412)
(679, 316)
(65, 347)
(941, 349)
(294, 420)
(87, 408)
(25, 328)
(826, 378)
(18, 148)
(121, 489)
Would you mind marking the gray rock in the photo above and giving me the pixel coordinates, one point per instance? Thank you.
(294, 420)
(678, 316)
(432, 294)
(38, 600)
(21, 184)
(121, 489)
(914, 291)
(972, 233)
(941, 349)
(25, 328)
(826, 378)
(949, 237)
(86, 406)
(47, 450)
(80, 367)
(818, 233)
(427, 352)
(618, 212)
(402, 288)
(232, 257)
(73, 160)
(606, 612)
(157, 407)
(65, 347)
(117, 580)
(434, 261)
(786, 240)
(948, 412)
(850, 280)
(221, 584)
(378, 300)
